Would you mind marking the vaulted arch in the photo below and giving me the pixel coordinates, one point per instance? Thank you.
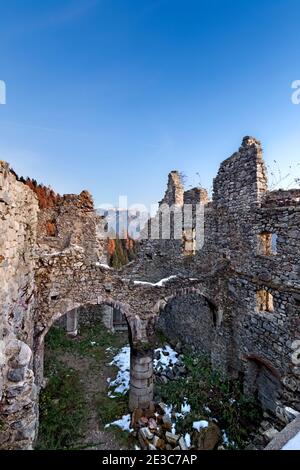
(188, 315)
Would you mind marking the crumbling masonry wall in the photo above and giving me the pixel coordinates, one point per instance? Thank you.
(260, 345)
(18, 393)
(52, 262)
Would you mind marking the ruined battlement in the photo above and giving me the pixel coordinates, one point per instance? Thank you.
(242, 178)
(83, 201)
(196, 196)
(175, 192)
(71, 221)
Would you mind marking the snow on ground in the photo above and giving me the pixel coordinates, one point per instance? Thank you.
(121, 382)
(185, 407)
(120, 385)
(123, 423)
(122, 361)
(102, 265)
(156, 284)
(225, 438)
(166, 360)
(200, 425)
(293, 444)
(167, 409)
(185, 410)
(187, 440)
(291, 411)
(207, 409)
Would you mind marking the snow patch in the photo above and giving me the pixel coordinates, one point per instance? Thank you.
(185, 407)
(291, 411)
(123, 423)
(165, 360)
(207, 409)
(102, 265)
(293, 444)
(155, 284)
(187, 440)
(200, 425)
(121, 382)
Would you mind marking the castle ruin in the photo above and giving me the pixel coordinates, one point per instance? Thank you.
(235, 300)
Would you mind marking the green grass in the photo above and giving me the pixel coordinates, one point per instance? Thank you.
(126, 440)
(111, 409)
(63, 411)
(160, 338)
(204, 387)
(83, 344)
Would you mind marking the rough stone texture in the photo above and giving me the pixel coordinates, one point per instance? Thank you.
(18, 214)
(190, 319)
(72, 222)
(44, 279)
(141, 378)
(287, 434)
(175, 192)
(91, 315)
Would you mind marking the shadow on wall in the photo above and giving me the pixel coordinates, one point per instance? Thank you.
(112, 318)
(263, 380)
(190, 319)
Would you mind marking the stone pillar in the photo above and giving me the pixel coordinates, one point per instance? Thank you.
(141, 379)
(108, 317)
(72, 323)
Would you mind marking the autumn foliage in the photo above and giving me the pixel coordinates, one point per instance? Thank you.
(121, 251)
(46, 196)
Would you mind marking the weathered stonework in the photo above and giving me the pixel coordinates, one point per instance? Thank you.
(18, 393)
(209, 303)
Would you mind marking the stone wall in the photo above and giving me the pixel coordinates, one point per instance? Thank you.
(191, 319)
(18, 214)
(210, 301)
(72, 222)
(257, 344)
(91, 315)
(175, 191)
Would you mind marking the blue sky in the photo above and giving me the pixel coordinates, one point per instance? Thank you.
(111, 95)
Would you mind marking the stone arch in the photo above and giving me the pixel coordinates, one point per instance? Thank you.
(38, 359)
(178, 293)
(262, 379)
(66, 306)
(113, 314)
(190, 316)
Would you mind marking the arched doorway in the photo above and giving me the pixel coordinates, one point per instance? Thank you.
(191, 318)
(263, 380)
(76, 400)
